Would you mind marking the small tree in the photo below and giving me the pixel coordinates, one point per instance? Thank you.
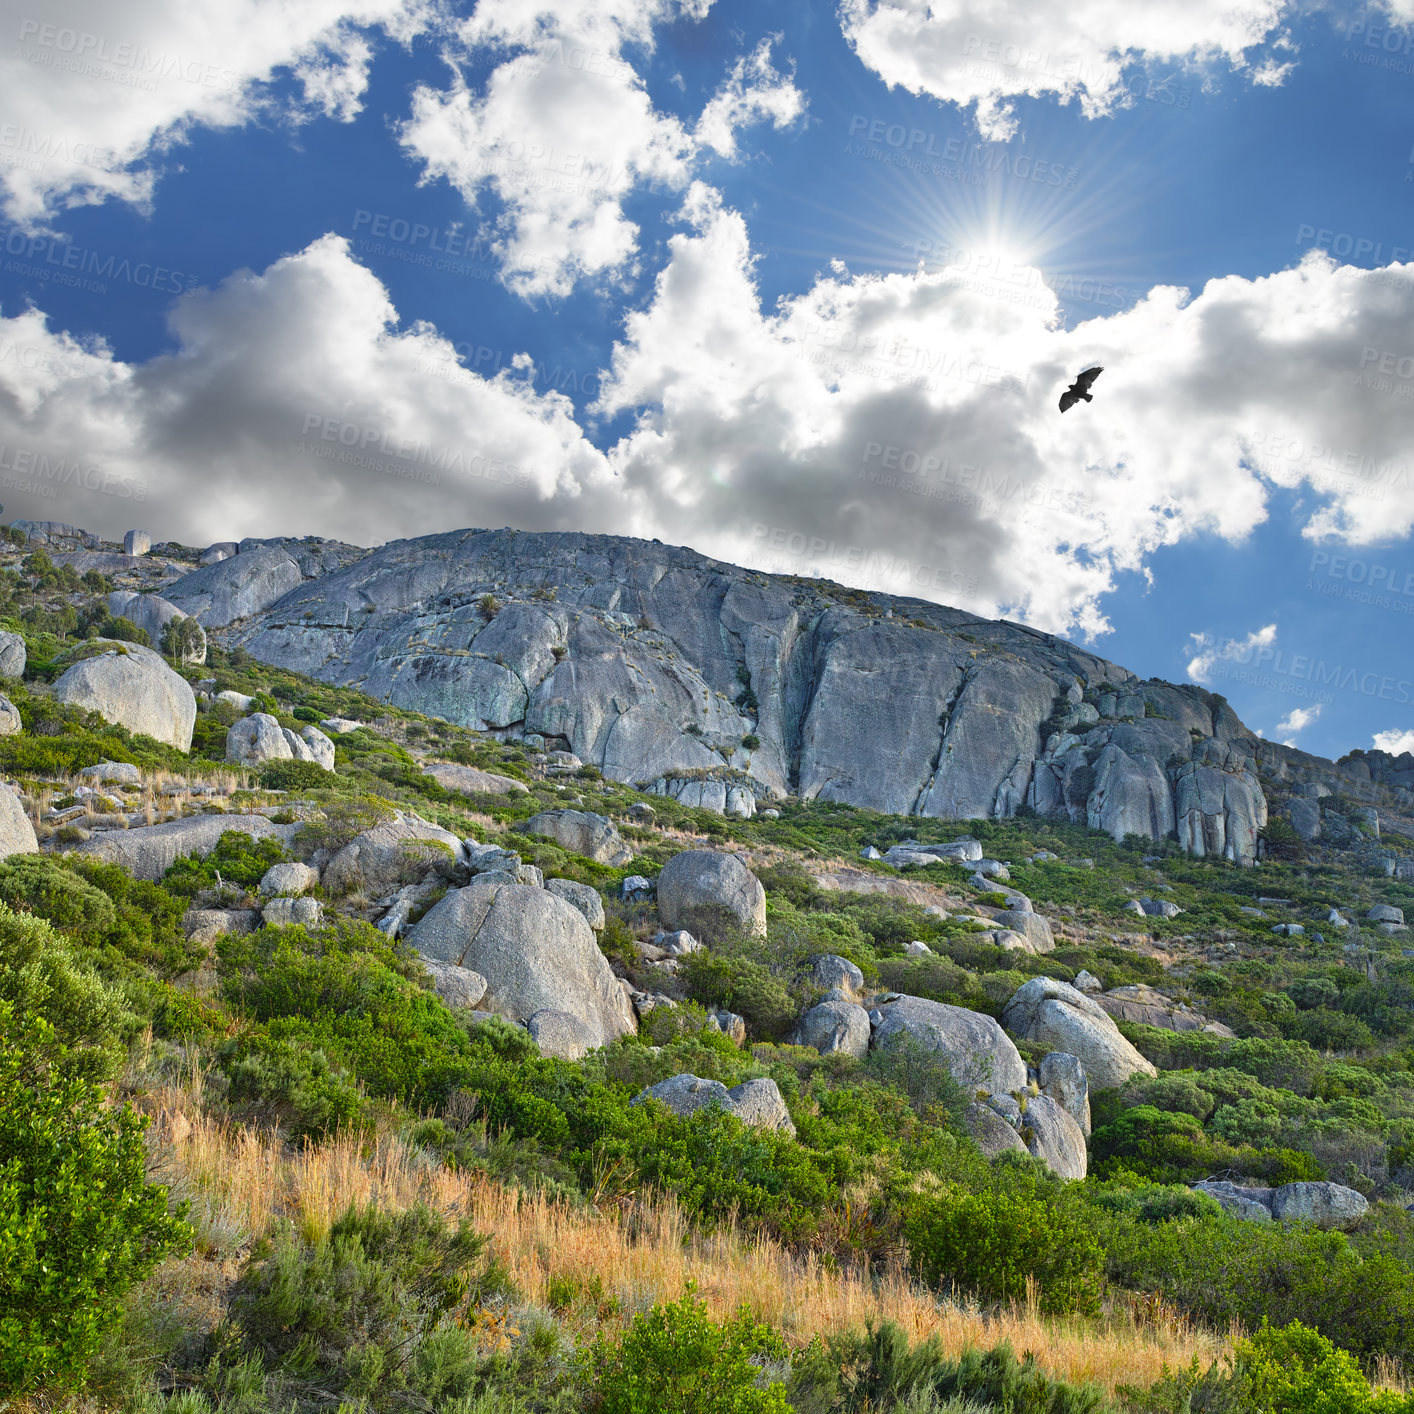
(184, 640)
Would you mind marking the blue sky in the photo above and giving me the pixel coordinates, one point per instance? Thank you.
(796, 285)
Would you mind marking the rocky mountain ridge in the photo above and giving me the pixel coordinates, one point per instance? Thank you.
(726, 687)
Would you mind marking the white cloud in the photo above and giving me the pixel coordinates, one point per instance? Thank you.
(1396, 741)
(292, 405)
(564, 130)
(1210, 651)
(1297, 720)
(990, 55)
(92, 95)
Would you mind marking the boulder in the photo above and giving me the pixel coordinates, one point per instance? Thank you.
(468, 779)
(581, 832)
(483, 858)
(238, 586)
(828, 970)
(1327, 1205)
(1057, 1015)
(281, 912)
(382, 859)
(636, 889)
(122, 773)
(260, 738)
(704, 879)
(1030, 925)
(16, 832)
(342, 726)
(148, 851)
(152, 613)
(132, 687)
(1305, 817)
(754, 1102)
(582, 897)
(12, 655)
(457, 986)
(137, 542)
(1144, 1006)
(1253, 1205)
(1385, 913)
(11, 723)
(991, 1133)
(1054, 1137)
(678, 943)
(979, 1053)
(287, 880)
(1159, 908)
(321, 749)
(1012, 941)
(917, 949)
(1087, 982)
(1062, 1077)
(561, 1035)
(730, 1024)
(834, 1026)
(535, 950)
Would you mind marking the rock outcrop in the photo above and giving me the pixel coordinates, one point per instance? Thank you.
(582, 897)
(582, 832)
(471, 781)
(16, 832)
(1056, 1015)
(754, 1102)
(148, 851)
(12, 656)
(834, 1026)
(980, 1055)
(535, 951)
(702, 879)
(1326, 1205)
(259, 738)
(132, 686)
(152, 613)
(383, 858)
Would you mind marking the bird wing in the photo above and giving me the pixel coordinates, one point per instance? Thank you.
(1084, 381)
(1068, 399)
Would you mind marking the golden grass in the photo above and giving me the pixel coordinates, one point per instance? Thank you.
(240, 1180)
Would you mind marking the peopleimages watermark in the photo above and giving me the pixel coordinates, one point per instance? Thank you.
(1385, 371)
(990, 273)
(446, 251)
(797, 545)
(1347, 243)
(1345, 472)
(1379, 45)
(930, 153)
(78, 267)
(842, 350)
(377, 449)
(1382, 586)
(1300, 675)
(938, 478)
(43, 474)
(556, 379)
(121, 61)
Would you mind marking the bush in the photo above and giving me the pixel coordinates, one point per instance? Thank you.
(40, 884)
(1296, 1371)
(294, 775)
(238, 859)
(183, 639)
(675, 1359)
(79, 1223)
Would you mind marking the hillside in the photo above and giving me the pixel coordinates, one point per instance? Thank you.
(931, 1049)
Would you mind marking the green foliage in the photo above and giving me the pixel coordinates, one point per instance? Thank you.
(1296, 1371)
(1025, 1226)
(381, 1309)
(183, 639)
(295, 775)
(675, 1359)
(239, 859)
(40, 884)
(79, 1223)
(341, 818)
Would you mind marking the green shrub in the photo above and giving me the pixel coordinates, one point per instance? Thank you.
(295, 775)
(79, 1223)
(1296, 1371)
(675, 1359)
(238, 858)
(40, 884)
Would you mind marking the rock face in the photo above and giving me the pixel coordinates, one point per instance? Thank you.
(12, 655)
(1057, 1015)
(134, 687)
(1327, 1205)
(287, 880)
(259, 738)
(10, 720)
(582, 897)
(990, 1132)
(151, 613)
(979, 1053)
(471, 781)
(457, 986)
(281, 912)
(1031, 926)
(580, 832)
(535, 951)
(703, 879)
(1143, 1006)
(148, 851)
(754, 1102)
(382, 859)
(834, 1026)
(829, 971)
(1054, 1137)
(1063, 1078)
(16, 833)
(640, 642)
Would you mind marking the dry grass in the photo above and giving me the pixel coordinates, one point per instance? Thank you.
(239, 1180)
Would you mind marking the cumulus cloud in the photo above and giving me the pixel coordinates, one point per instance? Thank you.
(989, 56)
(902, 430)
(1396, 741)
(564, 130)
(1211, 651)
(293, 404)
(1297, 720)
(94, 95)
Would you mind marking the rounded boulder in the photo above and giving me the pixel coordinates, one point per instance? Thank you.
(703, 880)
(132, 687)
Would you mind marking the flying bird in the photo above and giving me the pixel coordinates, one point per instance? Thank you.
(1080, 389)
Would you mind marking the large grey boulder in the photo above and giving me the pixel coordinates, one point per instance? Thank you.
(582, 897)
(704, 879)
(1248, 1204)
(1327, 1205)
(991, 1133)
(1054, 1137)
(582, 832)
(831, 971)
(471, 781)
(148, 851)
(980, 1055)
(117, 772)
(281, 912)
(754, 1102)
(1144, 1006)
(457, 986)
(561, 1035)
(535, 951)
(1305, 817)
(11, 723)
(1062, 1077)
(382, 859)
(287, 880)
(133, 687)
(834, 1026)
(260, 738)
(12, 655)
(1057, 1015)
(16, 832)
(152, 613)
(235, 588)
(1035, 929)
(1385, 913)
